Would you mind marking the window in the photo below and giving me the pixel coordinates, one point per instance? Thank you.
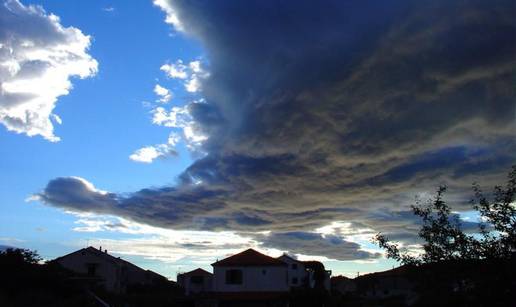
(196, 279)
(92, 268)
(234, 277)
(294, 266)
(294, 280)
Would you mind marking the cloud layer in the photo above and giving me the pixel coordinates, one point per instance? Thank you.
(334, 112)
(38, 57)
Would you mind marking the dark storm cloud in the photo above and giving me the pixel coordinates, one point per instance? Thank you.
(335, 111)
(77, 194)
(310, 243)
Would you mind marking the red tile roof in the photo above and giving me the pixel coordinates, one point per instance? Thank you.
(249, 257)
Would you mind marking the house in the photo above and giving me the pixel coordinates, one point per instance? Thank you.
(251, 278)
(196, 281)
(96, 266)
(296, 271)
(306, 274)
(250, 271)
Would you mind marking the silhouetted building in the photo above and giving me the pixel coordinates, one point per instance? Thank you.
(196, 281)
(306, 274)
(297, 274)
(319, 276)
(113, 273)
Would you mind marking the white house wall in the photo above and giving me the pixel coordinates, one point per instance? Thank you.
(300, 273)
(253, 279)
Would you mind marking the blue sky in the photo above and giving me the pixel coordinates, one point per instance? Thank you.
(200, 130)
(104, 121)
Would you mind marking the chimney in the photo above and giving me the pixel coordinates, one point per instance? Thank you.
(105, 251)
(100, 248)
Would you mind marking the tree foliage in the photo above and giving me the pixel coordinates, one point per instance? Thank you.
(18, 256)
(444, 239)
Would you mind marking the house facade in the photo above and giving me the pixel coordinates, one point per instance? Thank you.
(306, 274)
(250, 271)
(113, 273)
(196, 281)
(296, 271)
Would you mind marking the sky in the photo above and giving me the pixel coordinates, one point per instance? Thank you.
(174, 133)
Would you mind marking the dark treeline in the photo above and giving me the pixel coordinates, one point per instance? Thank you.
(25, 282)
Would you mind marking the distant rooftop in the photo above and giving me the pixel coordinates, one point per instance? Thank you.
(197, 271)
(115, 260)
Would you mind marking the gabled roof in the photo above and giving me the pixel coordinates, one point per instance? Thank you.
(197, 271)
(288, 257)
(94, 251)
(115, 260)
(249, 257)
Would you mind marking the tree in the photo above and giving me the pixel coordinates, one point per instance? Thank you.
(444, 238)
(18, 256)
(500, 213)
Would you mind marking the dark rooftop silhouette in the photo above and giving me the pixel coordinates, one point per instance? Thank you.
(197, 271)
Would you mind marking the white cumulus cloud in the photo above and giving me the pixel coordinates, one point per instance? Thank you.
(175, 70)
(180, 117)
(149, 153)
(171, 16)
(191, 74)
(164, 94)
(38, 57)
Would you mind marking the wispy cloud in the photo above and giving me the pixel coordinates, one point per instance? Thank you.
(108, 9)
(157, 243)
